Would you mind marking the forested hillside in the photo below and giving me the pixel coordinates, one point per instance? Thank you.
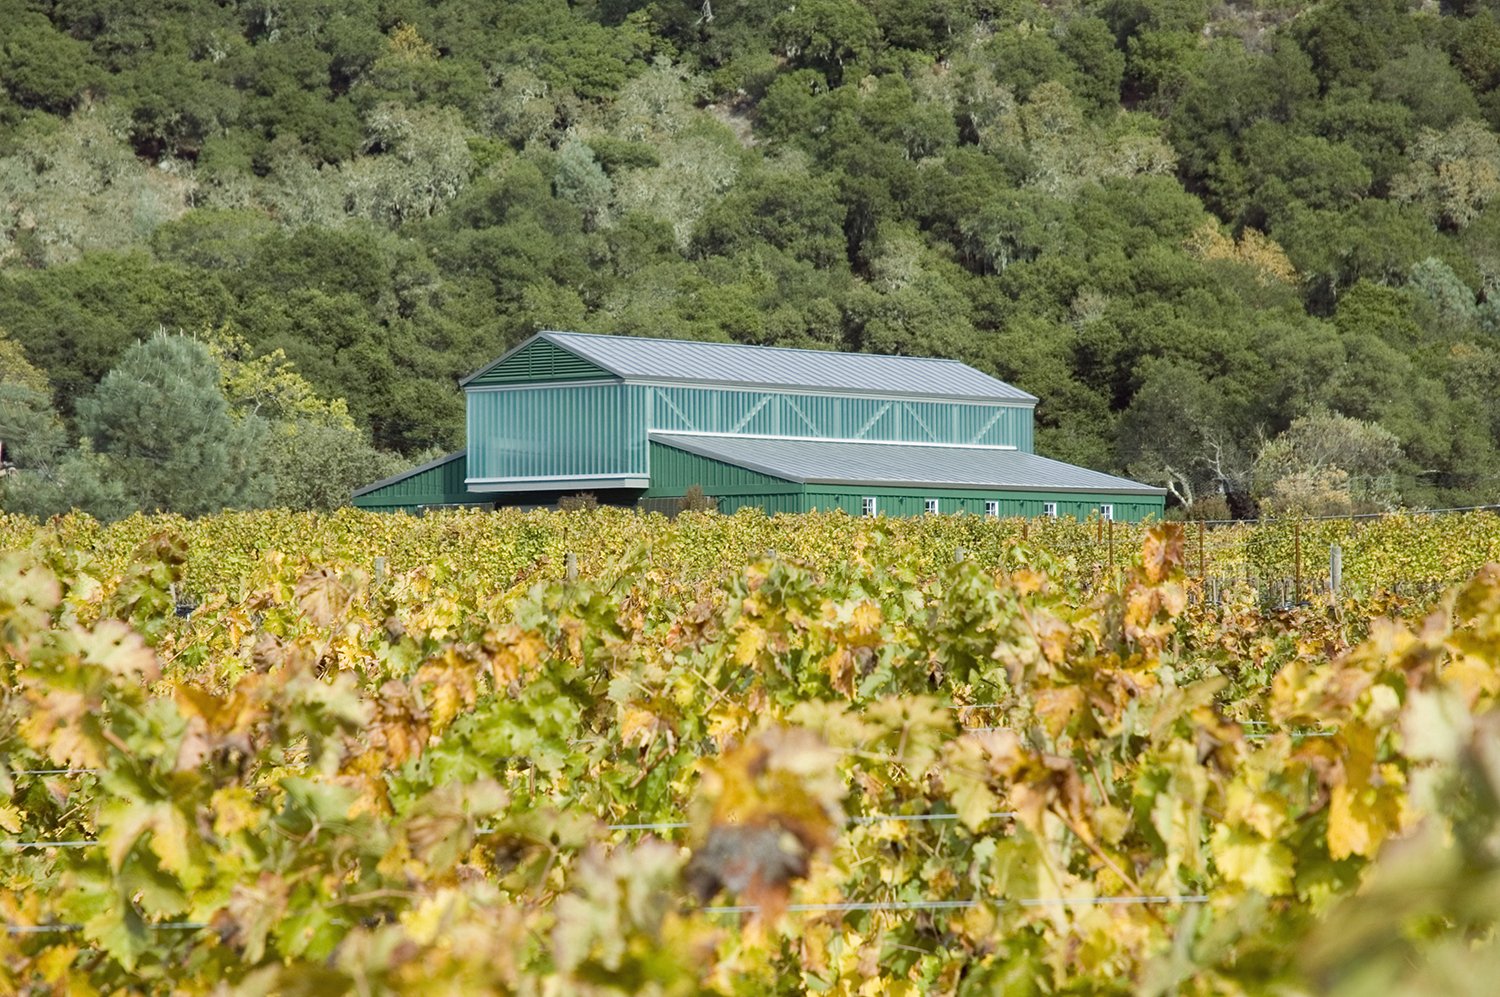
(1249, 248)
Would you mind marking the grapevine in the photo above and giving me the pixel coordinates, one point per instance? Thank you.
(726, 755)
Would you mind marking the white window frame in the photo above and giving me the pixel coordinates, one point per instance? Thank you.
(869, 507)
(1049, 510)
(1107, 512)
(932, 506)
(992, 508)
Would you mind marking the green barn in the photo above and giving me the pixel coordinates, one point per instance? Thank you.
(642, 421)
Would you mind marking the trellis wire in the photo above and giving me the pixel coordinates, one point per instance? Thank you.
(1349, 516)
(866, 819)
(54, 771)
(661, 825)
(851, 906)
(41, 929)
(905, 905)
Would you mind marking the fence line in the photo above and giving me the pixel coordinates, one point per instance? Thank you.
(1346, 516)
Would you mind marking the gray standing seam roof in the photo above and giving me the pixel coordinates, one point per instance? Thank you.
(901, 464)
(633, 357)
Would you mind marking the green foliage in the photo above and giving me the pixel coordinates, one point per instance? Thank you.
(316, 465)
(15, 369)
(826, 34)
(30, 431)
(80, 188)
(392, 193)
(77, 479)
(1449, 303)
(162, 419)
(42, 67)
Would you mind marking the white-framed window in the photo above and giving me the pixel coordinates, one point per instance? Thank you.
(1049, 509)
(991, 507)
(1106, 512)
(931, 506)
(867, 506)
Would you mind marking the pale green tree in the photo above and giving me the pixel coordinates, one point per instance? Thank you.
(1453, 173)
(1445, 299)
(161, 417)
(581, 181)
(81, 188)
(1328, 464)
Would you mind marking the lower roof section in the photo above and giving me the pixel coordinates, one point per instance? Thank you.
(557, 482)
(901, 464)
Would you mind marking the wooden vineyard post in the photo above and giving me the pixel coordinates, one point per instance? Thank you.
(570, 566)
(1335, 569)
(1112, 551)
(1099, 540)
(1297, 561)
(1202, 557)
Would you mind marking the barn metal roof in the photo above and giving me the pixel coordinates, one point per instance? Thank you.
(901, 464)
(733, 364)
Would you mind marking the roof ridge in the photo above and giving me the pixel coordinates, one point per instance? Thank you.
(756, 346)
(839, 440)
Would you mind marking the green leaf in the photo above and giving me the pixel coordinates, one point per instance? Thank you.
(121, 932)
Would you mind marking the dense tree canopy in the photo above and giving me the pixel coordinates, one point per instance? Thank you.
(1183, 226)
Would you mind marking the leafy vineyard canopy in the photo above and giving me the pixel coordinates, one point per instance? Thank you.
(867, 771)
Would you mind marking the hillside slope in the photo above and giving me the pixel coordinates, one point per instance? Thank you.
(1182, 226)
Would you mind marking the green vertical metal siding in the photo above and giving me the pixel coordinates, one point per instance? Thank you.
(541, 361)
(674, 471)
(441, 484)
(557, 431)
(911, 502)
(773, 413)
(771, 503)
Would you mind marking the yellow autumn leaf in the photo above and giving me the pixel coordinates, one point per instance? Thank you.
(1248, 859)
(1365, 808)
(234, 810)
(749, 644)
(966, 776)
(169, 840)
(865, 618)
(443, 704)
(56, 963)
(840, 668)
(122, 829)
(424, 923)
(637, 724)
